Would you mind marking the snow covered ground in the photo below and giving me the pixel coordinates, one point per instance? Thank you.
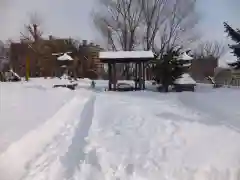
(57, 134)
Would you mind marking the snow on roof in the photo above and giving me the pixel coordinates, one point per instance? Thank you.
(185, 79)
(125, 54)
(65, 57)
(185, 56)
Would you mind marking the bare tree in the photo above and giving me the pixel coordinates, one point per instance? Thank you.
(150, 24)
(214, 49)
(32, 30)
(153, 16)
(32, 35)
(118, 22)
(178, 28)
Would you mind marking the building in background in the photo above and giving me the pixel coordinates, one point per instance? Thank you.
(43, 64)
(202, 68)
(91, 66)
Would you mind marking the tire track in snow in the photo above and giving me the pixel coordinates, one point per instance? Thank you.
(37, 154)
(76, 155)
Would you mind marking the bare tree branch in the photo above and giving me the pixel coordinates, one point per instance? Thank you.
(32, 30)
(155, 25)
(178, 29)
(118, 22)
(154, 14)
(215, 49)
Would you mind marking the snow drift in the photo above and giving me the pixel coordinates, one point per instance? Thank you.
(82, 134)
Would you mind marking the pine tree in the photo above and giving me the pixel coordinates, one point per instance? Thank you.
(169, 68)
(235, 36)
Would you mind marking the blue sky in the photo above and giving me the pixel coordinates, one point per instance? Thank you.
(72, 17)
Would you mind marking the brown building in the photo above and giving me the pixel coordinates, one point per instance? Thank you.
(202, 68)
(89, 58)
(43, 63)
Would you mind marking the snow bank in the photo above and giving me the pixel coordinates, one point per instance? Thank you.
(151, 139)
(25, 106)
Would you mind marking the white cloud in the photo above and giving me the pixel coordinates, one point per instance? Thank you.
(60, 17)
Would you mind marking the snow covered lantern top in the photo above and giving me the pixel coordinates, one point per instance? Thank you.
(65, 57)
(185, 57)
(65, 60)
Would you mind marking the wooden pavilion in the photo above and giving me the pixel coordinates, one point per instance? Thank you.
(139, 58)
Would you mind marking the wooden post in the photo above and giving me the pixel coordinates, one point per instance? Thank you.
(114, 77)
(144, 75)
(140, 75)
(109, 77)
(136, 75)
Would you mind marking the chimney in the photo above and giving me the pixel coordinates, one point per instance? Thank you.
(84, 42)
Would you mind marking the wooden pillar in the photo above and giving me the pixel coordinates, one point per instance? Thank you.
(144, 74)
(109, 77)
(136, 75)
(114, 77)
(140, 75)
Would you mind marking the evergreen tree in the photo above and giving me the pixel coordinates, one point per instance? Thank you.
(235, 36)
(169, 68)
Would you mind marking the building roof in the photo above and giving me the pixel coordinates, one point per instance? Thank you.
(126, 56)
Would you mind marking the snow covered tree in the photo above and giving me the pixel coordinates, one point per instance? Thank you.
(235, 36)
(170, 68)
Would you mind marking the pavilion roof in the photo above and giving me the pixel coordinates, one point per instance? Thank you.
(126, 56)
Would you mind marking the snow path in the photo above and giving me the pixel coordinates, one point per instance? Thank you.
(37, 154)
(75, 154)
